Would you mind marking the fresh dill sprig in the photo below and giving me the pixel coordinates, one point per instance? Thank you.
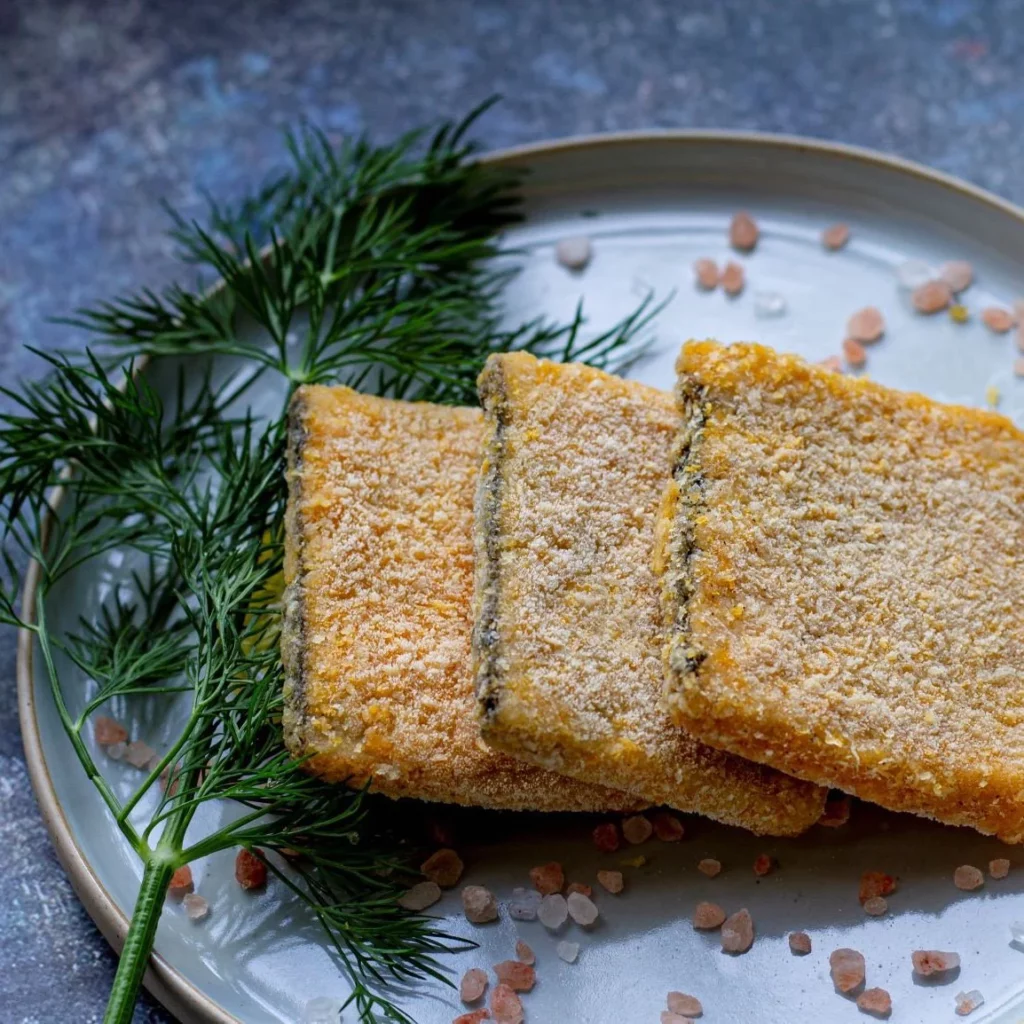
(378, 272)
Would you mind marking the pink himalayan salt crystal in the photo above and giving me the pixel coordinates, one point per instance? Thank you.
(957, 274)
(932, 297)
(668, 1017)
(506, 1006)
(835, 237)
(733, 279)
(836, 813)
(855, 354)
(933, 961)
(997, 320)
(139, 754)
(548, 878)
(968, 1002)
(606, 837)
(876, 906)
(999, 868)
(867, 325)
(479, 904)
(518, 976)
(743, 232)
(180, 883)
(581, 909)
(667, 827)
(876, 1001)
(420, 896)
(799, 943)
(107, 731)
(710, 867)
(525, 954)
(250, 871)
(611, 881)
(473, 985)
(706, 273)
(572, 887)
(553, 911)
(196, 908)
(764, 865)
(968, 878)
(875, 883)
(738, 932)
(847, 969)
(637, 829)
(443, 868)
(708, 916)
(473, 1017)
(684, 1005)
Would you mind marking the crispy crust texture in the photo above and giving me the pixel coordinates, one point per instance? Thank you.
(844, 585)
(568, 634)
(377, 622)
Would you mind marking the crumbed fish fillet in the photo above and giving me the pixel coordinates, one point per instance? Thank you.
(568, 636)
(845, 585)
(377, 625)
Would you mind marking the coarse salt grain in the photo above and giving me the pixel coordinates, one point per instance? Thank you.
(768, 305)
(322, 1010)
(998, 868)
(799, 943)
(733, 279)
(992, 396)
(876, 1001)
(553, 911)
(518, 976)
(578, 887)
(706, 272)
(912, 274)
(606, 837)
(574, 253)
(968, 878)
(479, 904)
(473, 1017)
(855, 353)
(743, 232)
(107, 731)
(835, 237)
(116, 751)
(473, 985)
(875, 906)
(847, 969)
(836, 813)
(710, 867)
(568, 951)
(708, 916)
(506, 1006)
(444, 867)
(867, 325)
(932, 297)
(1017, 932)
(667, 827)
(738, 932)
(637, 829)
(250, 871)
(668, 1017)
(876, 883)
(968, 1002)
(180, 883)
(997, 320)
(420, 896)
(525, 953)
(524, 904)
(685, 1005)
(933, 961)
(958, 274)
(548, 878)
(582, 909)
(1018, 371)
(611, 881)
(139, 754)
(763, 865)
(196, 908)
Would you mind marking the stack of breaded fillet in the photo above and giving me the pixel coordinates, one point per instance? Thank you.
(596, 595)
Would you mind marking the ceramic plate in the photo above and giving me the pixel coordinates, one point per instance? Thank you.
(652, 205)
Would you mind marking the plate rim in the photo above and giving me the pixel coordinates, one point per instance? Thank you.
(172, 988)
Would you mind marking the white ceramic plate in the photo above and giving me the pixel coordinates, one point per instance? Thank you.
(652, 205)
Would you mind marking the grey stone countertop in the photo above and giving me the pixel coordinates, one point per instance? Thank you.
(108, 107)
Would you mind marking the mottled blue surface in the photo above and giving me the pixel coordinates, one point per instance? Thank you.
(107, 107)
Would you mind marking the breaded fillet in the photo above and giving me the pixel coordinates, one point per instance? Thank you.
(379, 570)
(568, 638)
(845, 585)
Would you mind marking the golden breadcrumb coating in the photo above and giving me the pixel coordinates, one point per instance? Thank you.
(379, 568)
(845, 585)
(569, 636)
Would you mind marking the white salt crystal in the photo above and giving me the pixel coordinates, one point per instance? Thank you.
(968, 1002)
(913, 274)
(581, 908)
(116, 751)
(573, 253)
(195, 906)
(524, 904)
(553, 911)
(568, 951)
(769, 304)
(322, 1010)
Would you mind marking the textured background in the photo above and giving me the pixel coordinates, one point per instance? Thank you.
(108, 107)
